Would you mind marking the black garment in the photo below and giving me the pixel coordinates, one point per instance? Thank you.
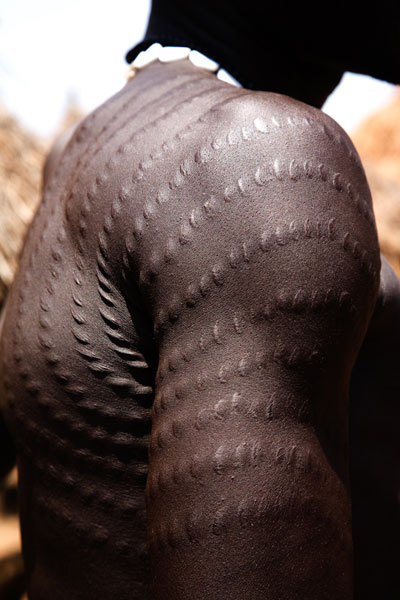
(281, 48)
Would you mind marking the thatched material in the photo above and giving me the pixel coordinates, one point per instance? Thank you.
(386, 196)
(378, 143)
(21, 160)
(378, 138)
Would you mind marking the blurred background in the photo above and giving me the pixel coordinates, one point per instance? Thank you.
(58, 61)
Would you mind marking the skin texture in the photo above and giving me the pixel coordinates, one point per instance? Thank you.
(178, 344)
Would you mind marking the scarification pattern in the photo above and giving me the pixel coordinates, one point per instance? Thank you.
(189, 412)
(245, 252)
(105, 447)
(147, 163)
(194, 528)
(82, 140)
(280, 169)
(282, 303)
(229, 407)
(227, 463)
(107, 244)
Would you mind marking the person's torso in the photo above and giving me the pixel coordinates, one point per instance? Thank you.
(79, 358)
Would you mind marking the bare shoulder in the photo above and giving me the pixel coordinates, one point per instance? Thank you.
(276, 114)
(298, 140)
(160, 171)
(260, 139)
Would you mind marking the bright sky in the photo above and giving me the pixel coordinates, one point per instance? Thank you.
(51, 50)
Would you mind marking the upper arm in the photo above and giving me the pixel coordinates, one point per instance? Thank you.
(259, 264)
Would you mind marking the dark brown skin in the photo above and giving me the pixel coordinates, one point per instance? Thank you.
(197, 283)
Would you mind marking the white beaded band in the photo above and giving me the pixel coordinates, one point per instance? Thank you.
(171, 53)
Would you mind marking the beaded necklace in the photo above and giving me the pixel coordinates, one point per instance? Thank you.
(171, 53)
